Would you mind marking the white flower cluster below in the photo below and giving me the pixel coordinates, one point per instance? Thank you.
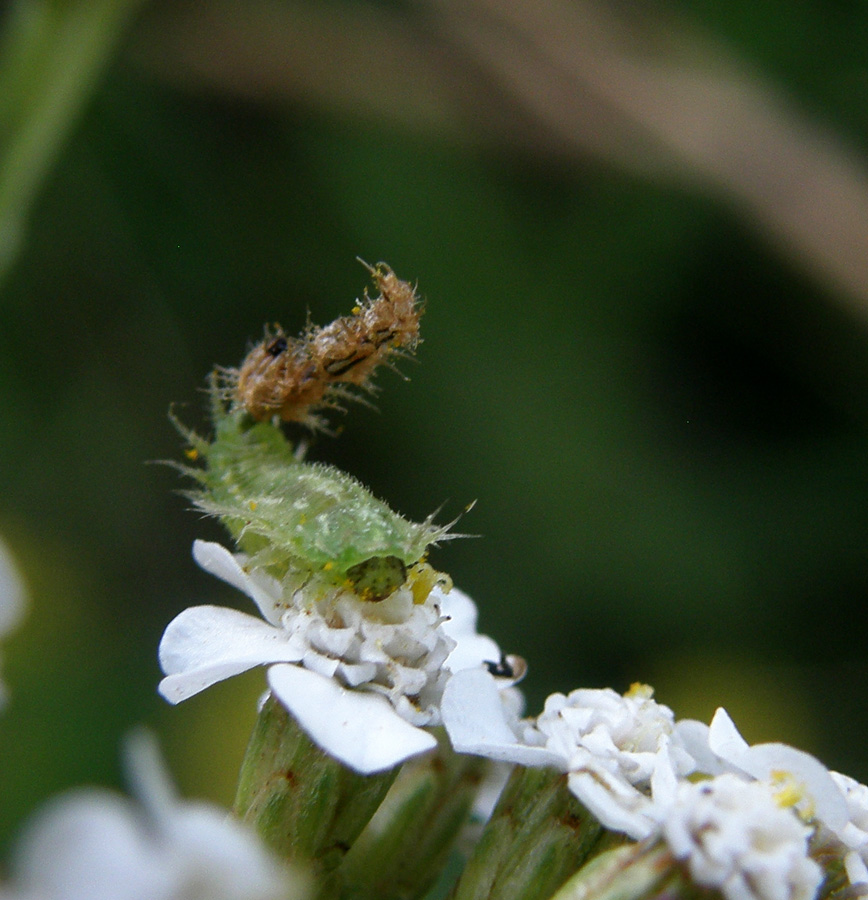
(741, 824)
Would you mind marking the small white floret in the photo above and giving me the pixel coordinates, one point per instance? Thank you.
(854, 834)
(621, 752)
(800, 779)
(733, 837)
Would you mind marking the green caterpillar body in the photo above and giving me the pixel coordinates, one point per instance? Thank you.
(306, 520)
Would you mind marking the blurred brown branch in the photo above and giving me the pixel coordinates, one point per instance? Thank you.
(554, 79)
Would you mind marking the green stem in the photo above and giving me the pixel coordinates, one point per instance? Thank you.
(631, 872)
(307, 806)
(405, 846)
(538, 836)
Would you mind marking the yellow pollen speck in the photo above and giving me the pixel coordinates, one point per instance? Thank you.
(356, 310)
(191, 453)
(252, 504)
(328, 566)
(639, 691)
(789, 793)
(422, 580)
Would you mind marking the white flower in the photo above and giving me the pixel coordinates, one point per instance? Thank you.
(734, 837)
(798, 779)
(93, 844)
(854, 834)
(619, 751)
(11, 598)
(362, 678)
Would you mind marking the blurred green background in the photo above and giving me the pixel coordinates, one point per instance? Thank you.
(642, 242)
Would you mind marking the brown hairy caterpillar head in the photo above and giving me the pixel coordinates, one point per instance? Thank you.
(293, 378)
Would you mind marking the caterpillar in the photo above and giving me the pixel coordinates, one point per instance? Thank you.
(308, 524)
(292, 378)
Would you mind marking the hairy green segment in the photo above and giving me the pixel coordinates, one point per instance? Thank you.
(309, 521)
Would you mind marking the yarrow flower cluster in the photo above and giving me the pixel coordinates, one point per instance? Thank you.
(614, 746)
(378, 668)
(392, 737)
(621, 753)
(742, 821)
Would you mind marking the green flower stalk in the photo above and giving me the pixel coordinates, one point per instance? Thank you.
(308, 807)
(406, 845)
(630, 872)
(538, 836)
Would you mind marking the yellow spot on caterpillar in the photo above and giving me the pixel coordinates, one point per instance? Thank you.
(252, 504)
(328, 566)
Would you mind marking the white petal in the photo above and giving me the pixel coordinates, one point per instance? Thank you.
(354, 674)
(322, 665)
(263, 590)
(764, 761)
(664, 780)
(89, 845)
(694, 737)
(474, 716)
(360, 729)
(220, 858)
(146, 772)
(617, 805)
(472, 649)
(205, 644)
(724, 738)
(857, 872)
(460, 609)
